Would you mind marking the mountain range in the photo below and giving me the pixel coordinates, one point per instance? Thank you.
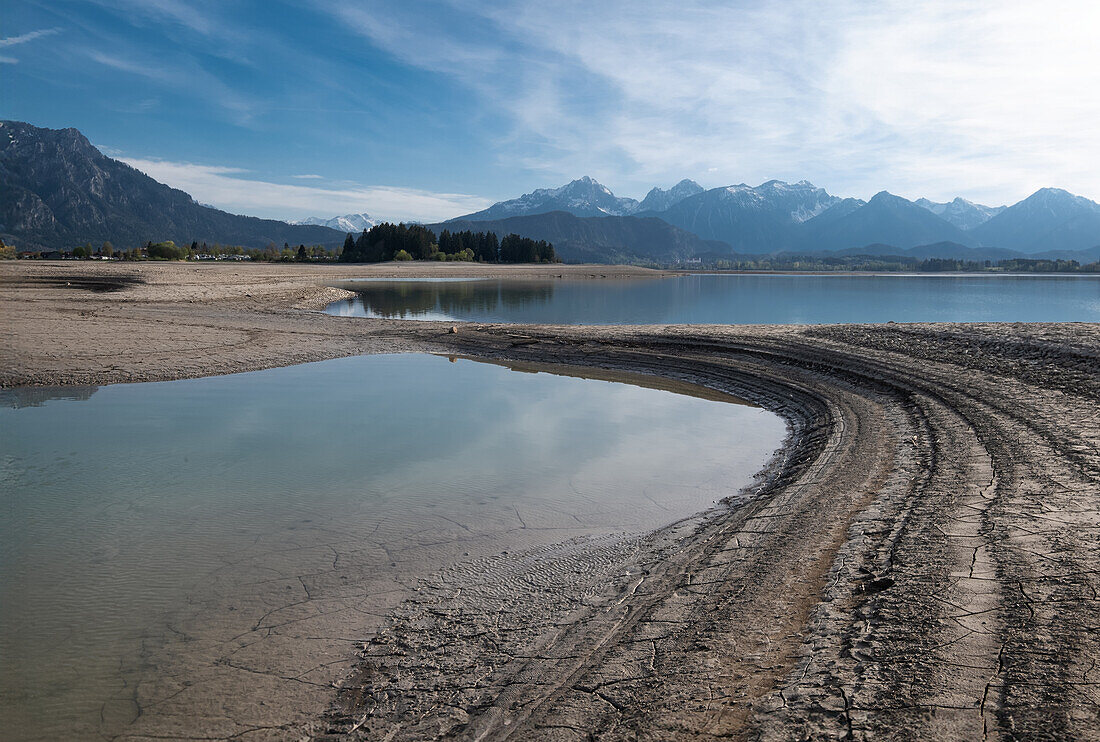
(347, 223)
(597, 239)
(960, 212)
(58, 191)
(581, 197)
(886, 219)
(777, 217)
(1049, 219)
(767, 218)
(661, 200)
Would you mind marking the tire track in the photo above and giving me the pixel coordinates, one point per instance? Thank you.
(875, 585)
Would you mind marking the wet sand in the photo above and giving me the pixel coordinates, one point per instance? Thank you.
(921, 563)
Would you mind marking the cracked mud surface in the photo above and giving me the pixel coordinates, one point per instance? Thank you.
(923, 564)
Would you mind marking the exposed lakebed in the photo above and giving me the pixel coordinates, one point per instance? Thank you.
(733, 299)
(201, 556)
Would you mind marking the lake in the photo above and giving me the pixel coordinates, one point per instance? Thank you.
(735, 299)
(177, 555)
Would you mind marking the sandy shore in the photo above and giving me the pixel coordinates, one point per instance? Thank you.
(922, 564)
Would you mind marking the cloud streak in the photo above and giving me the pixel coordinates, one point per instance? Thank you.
(227, 188)
(939, 98)
(22, 39)
(184, 77)
(30, 36)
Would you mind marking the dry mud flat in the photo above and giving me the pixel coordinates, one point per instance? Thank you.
(922, 563)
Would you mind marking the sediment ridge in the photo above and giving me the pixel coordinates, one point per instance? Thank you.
(921, 561)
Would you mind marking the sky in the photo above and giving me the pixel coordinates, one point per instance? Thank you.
(428, 110)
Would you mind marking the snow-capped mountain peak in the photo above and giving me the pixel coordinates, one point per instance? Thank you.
(801, 201)
(661, 200)
(960, 212)
(584, 196)
(1060, 198)
(346, 223)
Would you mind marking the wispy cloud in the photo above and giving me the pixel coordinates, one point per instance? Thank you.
(198, 17)
(213, 52)
(940, 97)
(227, 188)
(22, 39)
(130, 66)
(184, 77)
(30, 36)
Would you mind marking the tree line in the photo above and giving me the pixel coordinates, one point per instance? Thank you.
(386, 241)
(897, 263)
(169, 250)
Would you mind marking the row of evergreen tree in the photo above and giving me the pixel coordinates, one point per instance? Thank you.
(516, 249)
(484, 246)
(387, 241)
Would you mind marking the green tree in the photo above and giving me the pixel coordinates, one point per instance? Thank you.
(348, 251)
(489, 248)
(166, 250)
(363, 248)
(516, 249)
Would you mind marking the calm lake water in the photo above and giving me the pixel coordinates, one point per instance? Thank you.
(735, 299)
(171, 549)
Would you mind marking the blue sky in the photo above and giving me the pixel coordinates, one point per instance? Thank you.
(426, 110)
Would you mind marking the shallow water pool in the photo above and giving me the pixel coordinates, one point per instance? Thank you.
(176, 555)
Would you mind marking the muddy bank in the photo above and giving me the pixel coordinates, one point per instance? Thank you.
(162, 321)
(923, 567)
(923, 564)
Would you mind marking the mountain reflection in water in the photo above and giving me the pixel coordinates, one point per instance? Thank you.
(445, 300)
(735, 299)
(36, 396)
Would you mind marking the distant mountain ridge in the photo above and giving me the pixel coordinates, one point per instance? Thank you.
(581, 197)
(747, 218)
(960, 212)
(901, 222)
(346, 223)
(58, 191)
(1049, 219)
(661, 200)
(776, 216)
(596, 239)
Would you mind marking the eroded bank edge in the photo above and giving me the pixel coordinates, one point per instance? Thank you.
(367, 701)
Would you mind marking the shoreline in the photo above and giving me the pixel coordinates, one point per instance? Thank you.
(924, 559)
